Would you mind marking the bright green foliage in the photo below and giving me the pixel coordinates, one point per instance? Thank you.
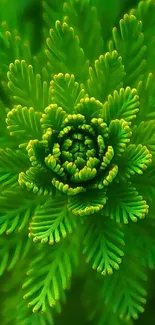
(103, 249)
(146, 13)
(124, 104)
(125, 203)
(77, 162)
(16, 208)
(130, 45)
(106, 76)
(12, 251)
(27, 88)
(46, 284)
(12, 48)
(130, 293)
(63, 50)
(52, 221)
(78, 10)
(66, 92)
(9, 168)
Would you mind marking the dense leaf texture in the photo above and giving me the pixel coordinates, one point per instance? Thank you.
(49, 275)
(77, 146)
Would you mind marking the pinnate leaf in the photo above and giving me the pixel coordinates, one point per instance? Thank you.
(24, 123)
(89, 30)
(129, 284)
(129, 43)
(106, 76)
(63, 50)
(121, 105)
(49, 275)
(26, 87)
(66, 91)
(52, 221)
(135, 159)
(124, 204)
(103, 244)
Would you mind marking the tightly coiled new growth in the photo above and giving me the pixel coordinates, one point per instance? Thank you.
(76, 159)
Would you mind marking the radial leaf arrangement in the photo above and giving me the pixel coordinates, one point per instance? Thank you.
(77, 164)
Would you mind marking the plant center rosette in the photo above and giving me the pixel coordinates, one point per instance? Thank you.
(77, 156)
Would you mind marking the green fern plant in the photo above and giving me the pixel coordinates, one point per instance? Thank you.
(77, 164)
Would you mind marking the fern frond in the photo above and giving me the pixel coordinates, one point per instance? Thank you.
(14, 308)
(11, 163)
(53, 117)
(89, 30)
(145, 12)
(26, 87)
(63, 50)
(52, 221)
(119, 135)
(12, 251)
(49, 275)
(134, 160)
(26, 317)
(17, 208)
(12, 48)
(92, 202)
(131, 295)
(129, 283)
(103, 244)
(144, 134)
(121, 105)
(66, 91)
(90, 107)
(105, 76)
(36, 180)
(129, 43)
(23, 124)
(124, 204)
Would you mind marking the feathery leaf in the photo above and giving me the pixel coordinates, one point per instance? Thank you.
(128, 283)
(49, 275)
(124, 204)
(64, 50)
(11, 163)
(17, 208)
(23, 123)
(52, 221)
(103, 244)
(145, 12)
(106, 76)
(84, 19)
(66, 91)
(129, 43)
(123, 104)
(134, 160)
(26, 87)
(12, 251)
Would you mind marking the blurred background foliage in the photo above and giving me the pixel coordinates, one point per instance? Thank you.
(27, 17)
